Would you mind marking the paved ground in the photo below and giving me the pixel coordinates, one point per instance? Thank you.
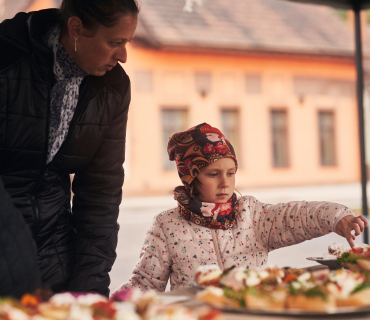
(137, 213)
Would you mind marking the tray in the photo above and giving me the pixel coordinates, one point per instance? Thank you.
(298, 312)
(331, 263)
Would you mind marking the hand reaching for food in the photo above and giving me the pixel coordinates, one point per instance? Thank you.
(346, 225)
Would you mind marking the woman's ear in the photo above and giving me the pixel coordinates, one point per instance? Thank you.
(74, 27)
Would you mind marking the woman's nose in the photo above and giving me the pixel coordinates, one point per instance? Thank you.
(121, 55)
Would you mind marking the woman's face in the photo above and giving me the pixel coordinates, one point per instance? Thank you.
(217, 181)
(101, 52)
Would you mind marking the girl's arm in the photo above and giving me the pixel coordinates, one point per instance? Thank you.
(153, 268)
(285, 224)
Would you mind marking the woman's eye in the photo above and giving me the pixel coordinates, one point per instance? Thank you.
(231, 173)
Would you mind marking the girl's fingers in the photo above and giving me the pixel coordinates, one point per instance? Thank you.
(357, 229)
(350, 239)
(362, 218)
(361, 224)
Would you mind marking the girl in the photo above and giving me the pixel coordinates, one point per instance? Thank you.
(240, 232)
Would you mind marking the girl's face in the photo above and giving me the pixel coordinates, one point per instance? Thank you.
(100, 52)
(213, 137)
(217, 181)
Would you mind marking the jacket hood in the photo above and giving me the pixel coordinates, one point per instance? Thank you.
(26, 30)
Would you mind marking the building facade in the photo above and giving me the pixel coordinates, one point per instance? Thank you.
(278, 78)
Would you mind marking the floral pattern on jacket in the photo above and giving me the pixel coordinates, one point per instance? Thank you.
(174, 247)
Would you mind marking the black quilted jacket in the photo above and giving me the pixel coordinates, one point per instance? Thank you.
(18, 265)
(76, 247)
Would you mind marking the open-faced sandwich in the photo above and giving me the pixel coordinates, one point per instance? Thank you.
(305, 293)
(208, 275)
(349, 288)
(357, 259)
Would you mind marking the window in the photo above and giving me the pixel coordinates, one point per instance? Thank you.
(327, 138)
(230, 128)
(173, 120)
(279, 132)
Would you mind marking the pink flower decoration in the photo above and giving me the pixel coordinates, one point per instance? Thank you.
(208, 148)
(220, 148)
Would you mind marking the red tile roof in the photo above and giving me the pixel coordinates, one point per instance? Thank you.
(245, 25)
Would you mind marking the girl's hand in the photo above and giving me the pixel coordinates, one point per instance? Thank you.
(347, 224)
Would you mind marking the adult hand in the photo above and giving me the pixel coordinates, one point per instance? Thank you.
(347, 224)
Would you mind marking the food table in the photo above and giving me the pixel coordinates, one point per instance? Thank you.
(187, 298)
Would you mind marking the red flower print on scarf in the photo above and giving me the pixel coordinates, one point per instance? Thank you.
(220, 148)
(183, 170)
(208, 148)
(188, 163)
(225, 208)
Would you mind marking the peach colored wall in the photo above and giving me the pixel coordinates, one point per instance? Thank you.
(41, 4)
(174, 86)
(144, 161)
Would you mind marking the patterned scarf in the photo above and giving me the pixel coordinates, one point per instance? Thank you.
(64, 94)
(210, 215)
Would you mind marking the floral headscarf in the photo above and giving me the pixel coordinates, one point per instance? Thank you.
(193, 151)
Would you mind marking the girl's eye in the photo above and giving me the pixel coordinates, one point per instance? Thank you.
(213, 174)
(231, 173)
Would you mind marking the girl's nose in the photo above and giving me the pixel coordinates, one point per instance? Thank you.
(224, 182)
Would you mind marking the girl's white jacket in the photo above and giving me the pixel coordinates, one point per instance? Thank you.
(174, 247)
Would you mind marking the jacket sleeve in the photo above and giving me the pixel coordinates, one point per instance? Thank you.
(285, 224)
(153, 268)
(97, 196)
(19, 272)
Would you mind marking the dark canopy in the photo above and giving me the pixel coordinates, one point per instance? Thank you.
(344, 4)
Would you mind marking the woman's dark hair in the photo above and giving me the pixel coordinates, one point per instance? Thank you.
(94, 12)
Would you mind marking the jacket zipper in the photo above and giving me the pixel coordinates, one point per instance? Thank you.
(36, 210)
(217, 248)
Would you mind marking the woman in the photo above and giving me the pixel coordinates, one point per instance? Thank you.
(64, 100)
(241, 233)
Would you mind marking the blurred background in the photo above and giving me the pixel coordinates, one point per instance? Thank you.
(278, 79)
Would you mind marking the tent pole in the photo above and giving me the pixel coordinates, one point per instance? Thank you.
(360, 104)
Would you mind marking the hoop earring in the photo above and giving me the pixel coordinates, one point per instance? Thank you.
(75, 43)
